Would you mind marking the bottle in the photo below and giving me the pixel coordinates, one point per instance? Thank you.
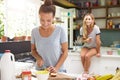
(110, 24)
(114, 2)
(7, 66)
(102, 2)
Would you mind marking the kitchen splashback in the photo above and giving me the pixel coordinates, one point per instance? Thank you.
(109, 36)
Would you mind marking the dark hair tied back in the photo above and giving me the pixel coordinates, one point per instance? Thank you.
(47, 7)
(48, 2)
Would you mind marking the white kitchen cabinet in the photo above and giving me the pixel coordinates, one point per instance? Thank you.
(73, 64)
(109, 64)
(102, 65)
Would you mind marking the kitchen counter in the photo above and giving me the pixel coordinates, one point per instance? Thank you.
(102, 55)
(16, 47)
(19, 66)
(60, 76)
(99, 65)
(103, 52)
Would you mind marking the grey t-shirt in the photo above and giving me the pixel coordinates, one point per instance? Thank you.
(49, 48)
(93, 34)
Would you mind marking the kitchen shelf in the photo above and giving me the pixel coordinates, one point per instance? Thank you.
(95, 18)
(100, 17)
(101, 14)
(68, 4)
(116, 17)
(97, 7)
(65, 4)
(112, 6)
(110, 29)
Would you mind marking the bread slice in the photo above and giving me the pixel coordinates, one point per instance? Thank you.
(53, 74)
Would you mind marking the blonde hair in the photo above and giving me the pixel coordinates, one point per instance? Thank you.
(85, 33)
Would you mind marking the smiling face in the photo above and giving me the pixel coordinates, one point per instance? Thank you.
(88, 20)
(46, 19)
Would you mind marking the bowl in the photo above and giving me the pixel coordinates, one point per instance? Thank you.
(42, 75)
(109, 52)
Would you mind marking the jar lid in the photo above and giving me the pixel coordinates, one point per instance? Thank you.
(7, 51)
(26, 72)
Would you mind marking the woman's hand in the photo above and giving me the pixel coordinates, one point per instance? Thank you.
(98, 54)
(40, 62)
(52, 69)
(88, 40)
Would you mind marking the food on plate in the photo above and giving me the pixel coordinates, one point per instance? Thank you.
(53, 74)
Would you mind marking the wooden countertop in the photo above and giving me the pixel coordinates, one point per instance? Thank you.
(61, 76)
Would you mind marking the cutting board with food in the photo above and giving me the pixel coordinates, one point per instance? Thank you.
(60, 76)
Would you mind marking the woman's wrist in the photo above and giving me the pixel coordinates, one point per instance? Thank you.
(38, 58)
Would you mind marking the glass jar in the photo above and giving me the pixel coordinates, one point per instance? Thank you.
(26, 75)
(102, 2)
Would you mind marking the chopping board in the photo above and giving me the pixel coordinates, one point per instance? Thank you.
(61, 76)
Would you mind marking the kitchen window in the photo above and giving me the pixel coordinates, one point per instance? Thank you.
(21, 16)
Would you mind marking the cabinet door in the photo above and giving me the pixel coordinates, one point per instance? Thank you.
(109, 65)
(73, 64)
(95, 65)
